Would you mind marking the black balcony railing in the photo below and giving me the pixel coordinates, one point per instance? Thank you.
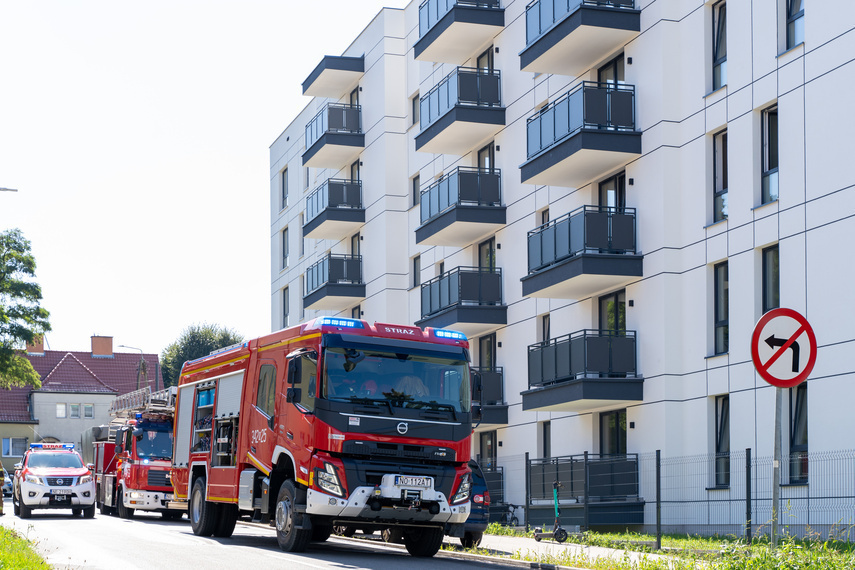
(432, 11)
(466, 86)
(589, 229)
(582, 354)
(541, 15)
(591, 105)
(462, 286)
(592, 476)
(334, 118)
(492, 385)
(334, 269)
(334, 193)
(462, 186)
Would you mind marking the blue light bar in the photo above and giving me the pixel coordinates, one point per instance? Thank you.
(51, 446)
(344, 323)
(445, 333)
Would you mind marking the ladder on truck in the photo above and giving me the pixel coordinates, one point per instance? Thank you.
(144, 400)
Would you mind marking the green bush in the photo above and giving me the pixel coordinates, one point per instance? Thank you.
(16, 552)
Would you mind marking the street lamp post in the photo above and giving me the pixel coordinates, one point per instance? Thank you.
(142, 364)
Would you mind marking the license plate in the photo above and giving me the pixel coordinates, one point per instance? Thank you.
(60, 491)
(407, 481)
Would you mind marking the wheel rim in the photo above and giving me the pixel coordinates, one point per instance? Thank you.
(283, 516)
(196, 506)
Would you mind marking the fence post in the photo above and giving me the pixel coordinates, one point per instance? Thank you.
(527, 489)
(748, 495)
(658, 500)
(587, 486)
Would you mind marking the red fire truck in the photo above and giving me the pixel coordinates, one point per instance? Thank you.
(132, 462)
(334, 422)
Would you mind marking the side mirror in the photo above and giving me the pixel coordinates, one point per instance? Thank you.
(292, 395)
(137, 433)
(295, 371)
(90, 466)
(18, 466)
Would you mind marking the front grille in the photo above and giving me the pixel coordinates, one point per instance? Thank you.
(61, 481)
(158, 478)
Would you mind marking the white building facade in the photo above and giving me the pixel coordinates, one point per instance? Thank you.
(553, 179)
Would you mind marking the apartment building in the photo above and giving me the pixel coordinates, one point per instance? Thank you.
(552, 178)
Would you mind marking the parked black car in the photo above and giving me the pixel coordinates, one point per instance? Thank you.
(479, 516)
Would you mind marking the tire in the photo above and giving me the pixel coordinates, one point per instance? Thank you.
(471, 539)
(342, 530)
(393, 535)
(424, 542)
(203, 514)
(24, 511)
(515, 521)
(321, 532)
(560, 534)
(16, 506)
(124, 512)
(76, 512)
(290, 539)
(89, 512)
(227, 520)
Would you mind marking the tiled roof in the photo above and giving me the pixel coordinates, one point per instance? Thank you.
(80, 372)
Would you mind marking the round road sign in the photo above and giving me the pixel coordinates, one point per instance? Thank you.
(783, 348)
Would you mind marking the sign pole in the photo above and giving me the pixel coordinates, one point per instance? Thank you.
(776, 467)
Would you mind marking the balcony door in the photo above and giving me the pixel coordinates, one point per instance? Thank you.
(487, 458)
(613, 192)
(613, 313)
(613, 433)
(487, 255)
(484, 63)
(487, 352)
(612, 72)
(487, 158)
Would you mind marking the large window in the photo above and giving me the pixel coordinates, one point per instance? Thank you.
(613, 433)
(613, 192)
(799, 434)
(722, 441)
(720, 176)
(14, 446)
(285, 248)
(286, 307)
(487, 458)
(795, 22)
(769, 174)
(771, 279)
(720, 307)
(284, 179)
(719, 45)
(417, 271)
(487, 254)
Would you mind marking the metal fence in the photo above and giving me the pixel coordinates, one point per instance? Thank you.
(541, 15)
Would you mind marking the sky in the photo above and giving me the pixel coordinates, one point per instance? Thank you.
(137, 136)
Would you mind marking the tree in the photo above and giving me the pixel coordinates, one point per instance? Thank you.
(195, 341)
(22, 319)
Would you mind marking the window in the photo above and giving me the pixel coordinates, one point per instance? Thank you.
(719, 45)
(487, 255)
(720, 176)
(60, 410)
(356, 312)
(286, 307)
(613, 433)
(284, 179)
(612, 72)
(798, 434)
(487, 458)
(417, 271)
(285, 249)
(484, 63)
(720, 309)
(354, 170)
(487, 157)
(14, 446)
(544, 328)
(308, 380)
(302, 238)
(354, 96)
(416, 190)
(302, 282)
(771, 279)
(88, 411)
(416, 105)
(487, 352)
(546, 439)
(306, 179)
(73, 410)
(795, 22)
(769, 174)
(613, 313)
(354, 244)
(544, 217)
(613, 192)
(722, 441)
(265, 397)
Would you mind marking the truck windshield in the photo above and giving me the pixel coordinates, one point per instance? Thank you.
(155, 444)
(401, 379)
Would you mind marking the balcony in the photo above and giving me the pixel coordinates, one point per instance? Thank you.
(451, 30)
(461, 111)
(334, 76)
(334, 283)
(461, 208)
(568, 37)
(583, 253)
(494, 409)
(585, 134)
(334, 136)
(334, 210)
(467, 299)
(583, 371)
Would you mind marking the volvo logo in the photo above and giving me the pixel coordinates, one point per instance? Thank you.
(402, 428)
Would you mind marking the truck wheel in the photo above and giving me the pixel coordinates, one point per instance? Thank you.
(424, 542)
(124, 512)
(393, 535)
(471, 539)
(321, 532)
(76, 512)
(203, 515)
(24, 511)
(342, 530)
(226, 523)
(16, 509)
(290, 538)
(89, 512)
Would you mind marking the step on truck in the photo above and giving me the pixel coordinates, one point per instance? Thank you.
(134, 455)
(334, 422)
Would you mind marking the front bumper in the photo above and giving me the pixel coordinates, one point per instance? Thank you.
(46, 497)
(147, 500)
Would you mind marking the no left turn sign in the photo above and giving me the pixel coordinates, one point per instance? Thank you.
(783, 348)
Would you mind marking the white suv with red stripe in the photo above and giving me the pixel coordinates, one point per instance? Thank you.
(53, 476)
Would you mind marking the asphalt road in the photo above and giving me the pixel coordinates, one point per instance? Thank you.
(149, 543)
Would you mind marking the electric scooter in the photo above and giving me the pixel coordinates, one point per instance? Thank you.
(558, 533)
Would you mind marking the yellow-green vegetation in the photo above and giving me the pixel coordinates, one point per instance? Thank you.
(16, 552)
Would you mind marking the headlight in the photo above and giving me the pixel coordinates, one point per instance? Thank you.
(327, 480)
(135, 495)
(85, 479)
(35, 479)
(464, 490)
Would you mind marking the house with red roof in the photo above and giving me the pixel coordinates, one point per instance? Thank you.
(76, 392)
